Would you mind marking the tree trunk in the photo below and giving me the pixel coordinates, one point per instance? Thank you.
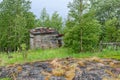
(81, 42)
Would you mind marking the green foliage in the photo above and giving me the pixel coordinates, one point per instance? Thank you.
(55, 21)
(111, 31)
(107, 13)
(44, 19)
(106, 9)
(23, 46)
(24, 52)
(90, 34)
(76, 9)
(15, 22)
(83, 32)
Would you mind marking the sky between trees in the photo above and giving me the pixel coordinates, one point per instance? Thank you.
(51, 6)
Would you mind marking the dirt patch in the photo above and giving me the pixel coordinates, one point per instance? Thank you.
(64, 69)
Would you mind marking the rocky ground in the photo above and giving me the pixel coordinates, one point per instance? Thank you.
(64, 69)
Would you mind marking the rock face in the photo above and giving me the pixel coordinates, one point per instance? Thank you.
(64, 69)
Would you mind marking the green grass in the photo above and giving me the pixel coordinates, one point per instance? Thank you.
(5, 79)
(36, 55)
(110, 54)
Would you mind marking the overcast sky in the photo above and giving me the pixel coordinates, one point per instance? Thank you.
(51, 5)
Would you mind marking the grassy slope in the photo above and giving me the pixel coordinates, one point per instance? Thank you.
(35, 55)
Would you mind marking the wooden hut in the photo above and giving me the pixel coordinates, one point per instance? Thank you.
(43, 37)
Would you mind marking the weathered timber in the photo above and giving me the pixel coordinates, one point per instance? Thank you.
(114, 45)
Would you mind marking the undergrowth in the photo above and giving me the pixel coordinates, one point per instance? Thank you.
(40, 54)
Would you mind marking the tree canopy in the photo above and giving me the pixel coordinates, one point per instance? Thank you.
(83, 32)
(107, 13)
(88, 22)
(15, 22)
(54, 21)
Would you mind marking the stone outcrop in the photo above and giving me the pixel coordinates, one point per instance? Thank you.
(64, 69)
